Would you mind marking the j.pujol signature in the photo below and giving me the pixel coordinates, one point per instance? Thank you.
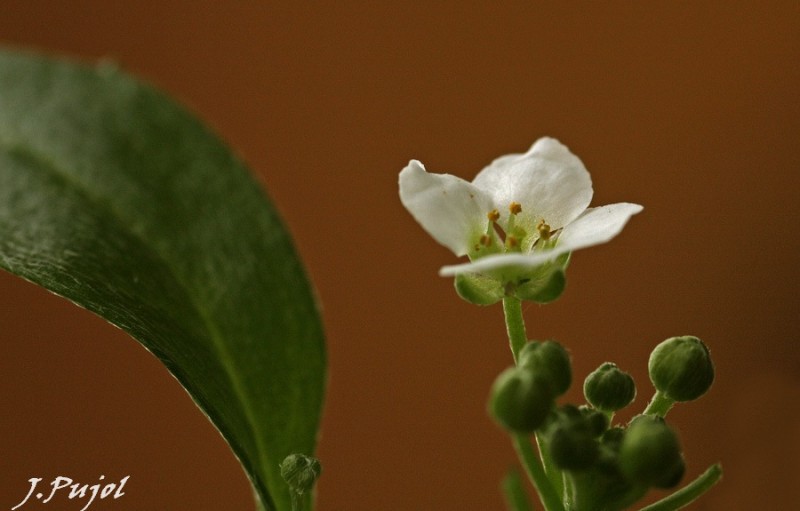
(65, 486)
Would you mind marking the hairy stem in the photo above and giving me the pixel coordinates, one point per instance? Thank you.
(515, 324)
(516, 498)
(659, 405)
(549, 497)
(554, 474)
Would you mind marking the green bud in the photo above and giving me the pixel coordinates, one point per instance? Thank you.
(520, 400)
(608, 388)
(612, 438)
(677, 473)
(681, 368)
(550, 360)
(596, 421)
(300, 472)
(572, 449)
(478, 289)
(570, 414)
(571, 437)
(650, 453)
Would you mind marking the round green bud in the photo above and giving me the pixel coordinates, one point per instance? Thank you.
(573, 447)
(681, 368)
(520, 400)
(608, 388)
(596, 421)
(300, 472)
(672, 480)
(612, 438)
(650, 453)
(550, 360)
(571, 436)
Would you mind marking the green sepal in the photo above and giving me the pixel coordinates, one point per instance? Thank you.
(545, 283)
(478, 289)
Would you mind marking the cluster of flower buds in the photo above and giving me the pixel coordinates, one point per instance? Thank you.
(605, 466)
(524, 396)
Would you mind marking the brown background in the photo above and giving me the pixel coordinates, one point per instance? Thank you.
(690, 110)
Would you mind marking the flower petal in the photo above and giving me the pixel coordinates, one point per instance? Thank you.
(548, 181)
(593, 227)
(452, 210)
(499, 262)
(489, 176)
(597, 225)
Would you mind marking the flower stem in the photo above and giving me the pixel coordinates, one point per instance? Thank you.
(659, 405)
(515, 324)
(533, 467)
(516, 499)
(555, 475)
(688, 493)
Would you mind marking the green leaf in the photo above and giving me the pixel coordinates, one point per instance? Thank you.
(116, 198)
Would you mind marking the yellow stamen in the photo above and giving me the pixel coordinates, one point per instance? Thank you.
(544, 230)
(512, 241)
(485, 240)
(515, 208)
(493, 215)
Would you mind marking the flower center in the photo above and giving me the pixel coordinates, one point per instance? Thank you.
(511, 235)
(488, 241)
(546, 233)
(514, 233)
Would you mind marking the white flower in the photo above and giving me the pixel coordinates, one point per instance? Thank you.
(520, 212)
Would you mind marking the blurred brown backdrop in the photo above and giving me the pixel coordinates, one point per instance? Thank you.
(690, 110)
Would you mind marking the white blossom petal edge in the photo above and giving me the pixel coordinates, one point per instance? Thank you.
(519, 212)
